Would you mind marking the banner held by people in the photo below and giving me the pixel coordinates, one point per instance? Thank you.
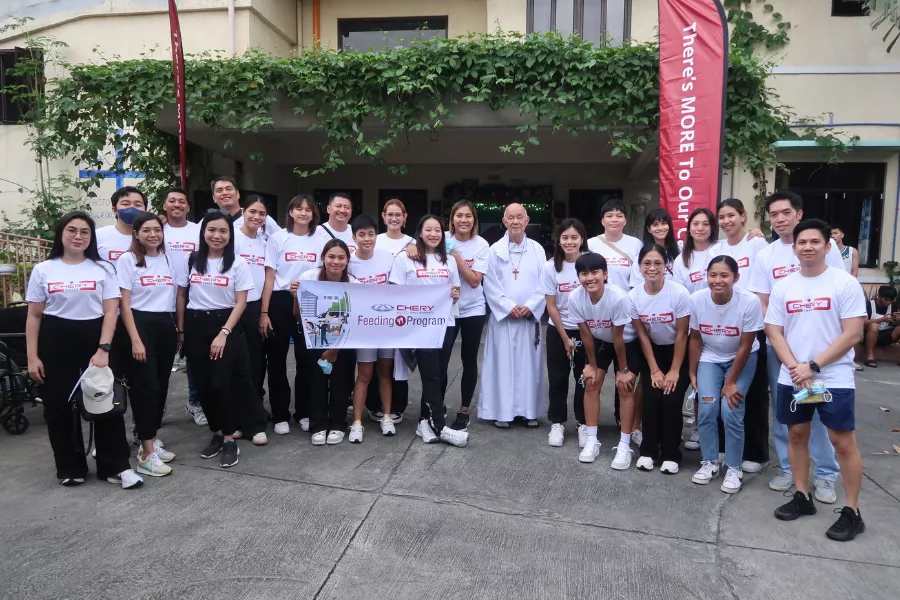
(353, 315)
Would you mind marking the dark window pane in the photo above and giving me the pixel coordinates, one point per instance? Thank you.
(565, 16)
(363, 35)
(540, 18)
(848, 8)
(615, 21)
(592, 22)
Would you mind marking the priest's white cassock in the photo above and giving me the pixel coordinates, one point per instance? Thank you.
(512, 375)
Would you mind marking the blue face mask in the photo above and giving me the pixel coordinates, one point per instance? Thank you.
(450, 244)
(128, 215)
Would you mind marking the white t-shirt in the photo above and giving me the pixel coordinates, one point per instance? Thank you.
(270, 228)
(744, 254)
(180, 242)
(721, 327)
(313, 275)
(693, 278)
(561, 285)
(659, 313)
(345, 236)
(614, 308)
(811, 309)
(72, 292)
(375, 270)
(291, 255)
(409, 272)
(475, 252)
(152, 286)
(395, 247)
(618, 266)
(777, 260)
(111, 243)
(253, 251)
(216, 290)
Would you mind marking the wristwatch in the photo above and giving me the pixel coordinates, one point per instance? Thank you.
(625, 370)
(815, 366)
(105, 347)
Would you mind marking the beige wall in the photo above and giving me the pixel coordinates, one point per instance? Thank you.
(508, 15)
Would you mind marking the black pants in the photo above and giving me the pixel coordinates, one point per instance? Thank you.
(662, 419)
(148, 382)
(471, 328)
(329, 393)
(432, 406)
(756, 413)
(558, 370)
(255, 348)
(66, 347)
(399, 396)
(226, 393)
(284, 326)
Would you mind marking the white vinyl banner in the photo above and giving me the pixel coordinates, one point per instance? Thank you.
(356, 315)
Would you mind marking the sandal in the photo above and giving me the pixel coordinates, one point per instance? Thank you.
(871, 364)
(501, 424)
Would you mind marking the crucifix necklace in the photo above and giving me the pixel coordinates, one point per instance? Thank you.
(515, 271)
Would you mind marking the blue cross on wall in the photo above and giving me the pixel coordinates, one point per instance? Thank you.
(119, 172)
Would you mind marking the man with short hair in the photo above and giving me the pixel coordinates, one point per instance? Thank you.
(512, 384)
(881, 323)
(849, 254)
(228, 198)
(814, 318)
(115, 240)
(339, 209)
(774, 263)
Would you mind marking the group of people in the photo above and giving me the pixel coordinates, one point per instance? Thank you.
(736, 319)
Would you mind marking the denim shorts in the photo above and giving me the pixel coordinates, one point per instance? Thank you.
(837, 415)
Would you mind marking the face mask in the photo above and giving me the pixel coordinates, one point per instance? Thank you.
(128, 215)
(450, 244)
(326, 366)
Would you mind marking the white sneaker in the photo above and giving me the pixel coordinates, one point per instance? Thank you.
(694, 442)
(622, 461)
(152, 466)
(197, 413)
(582, 435)
(708, 471)
(748, 466)
(356, 433)
(556, 436)
(637, 437)
(304, 424)
(387, 426)
(238, 434)
(94, 454)
(260, 439)
(127, 478)
(424, 431)
(732, 483)
(669, 467)
(591, 450)
(335, 437)
(454, 437)
(163, 454)
(319, 438)
(645, 463)
(282, 428)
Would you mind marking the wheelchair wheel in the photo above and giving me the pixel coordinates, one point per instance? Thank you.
(15, 423)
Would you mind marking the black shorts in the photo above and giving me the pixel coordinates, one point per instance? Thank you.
(885, 337)
(605, 353)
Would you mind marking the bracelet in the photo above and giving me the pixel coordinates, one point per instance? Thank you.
(226, 330)
(179, 331)
(656, 371)
(263, 312)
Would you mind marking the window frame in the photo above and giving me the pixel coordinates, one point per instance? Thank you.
(579, 17)
(864, 11)
(374, 21)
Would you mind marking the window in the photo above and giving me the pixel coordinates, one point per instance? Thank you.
(596, 21)
(363, 35)
(12, 111)
(848, 8)
(845, 195)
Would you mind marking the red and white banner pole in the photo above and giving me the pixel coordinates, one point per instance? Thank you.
(693, 81)
(178, 72)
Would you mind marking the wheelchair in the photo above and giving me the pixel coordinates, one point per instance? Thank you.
(16, 387)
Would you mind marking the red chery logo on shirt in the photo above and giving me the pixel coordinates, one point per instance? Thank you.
(801, 306)
(743, 263)
(253, 260)
(115, 254)
(470, 262)
(568, 286)
(697, 276)
(432, 273)
(782, 272)
(719, 330)
(216, 280)
(55, 287)
(155, 280)
(379, 279)
(660, 319)
(181, 246)
(618, 262)
(599, 324)
(309, 257)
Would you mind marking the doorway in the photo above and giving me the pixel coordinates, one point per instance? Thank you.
(585, 206)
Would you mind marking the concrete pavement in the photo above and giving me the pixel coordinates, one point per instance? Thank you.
(393, 518)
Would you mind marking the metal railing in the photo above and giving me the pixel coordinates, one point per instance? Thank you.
(18, 255)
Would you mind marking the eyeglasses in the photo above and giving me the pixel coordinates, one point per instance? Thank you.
(71, 231)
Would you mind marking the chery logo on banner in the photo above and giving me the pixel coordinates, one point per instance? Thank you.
(216, 280)
(719, 330)
(356, 315)
(693, 67)
(801, 306)
(660, 319)
(56, 287)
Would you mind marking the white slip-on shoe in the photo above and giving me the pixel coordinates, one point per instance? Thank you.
(590, 451)
(644, 463)
(556, 436)
(669, 467)
(282, 428)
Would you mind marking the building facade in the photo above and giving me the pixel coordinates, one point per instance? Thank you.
(834, 71)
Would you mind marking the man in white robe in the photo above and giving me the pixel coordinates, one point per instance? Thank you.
(512, 379)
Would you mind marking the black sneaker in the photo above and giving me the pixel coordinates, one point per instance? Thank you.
(799, 506)
(848, 525)
(214, 446)
(462, 422)
(230, 454)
